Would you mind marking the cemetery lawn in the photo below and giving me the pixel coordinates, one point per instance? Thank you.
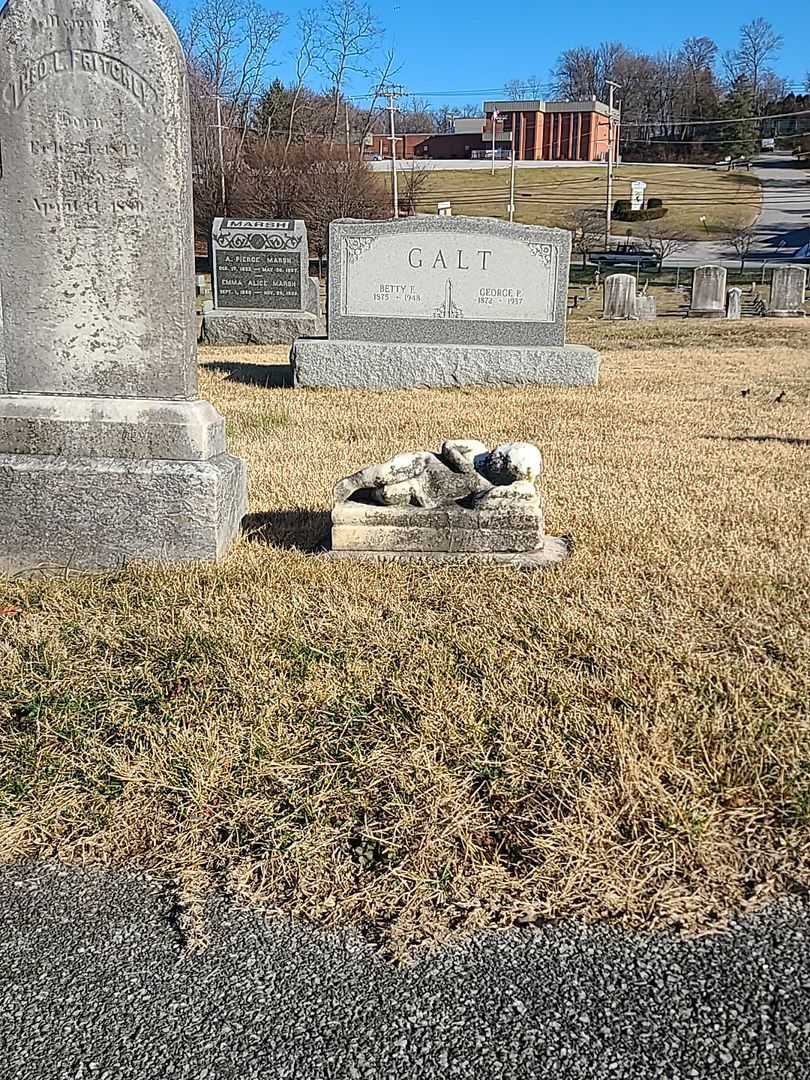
(426, 751)
(548, 196)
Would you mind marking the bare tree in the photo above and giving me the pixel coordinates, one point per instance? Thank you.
(758, 44)
(531, 87)
(412, 184)
(587, 225)
(231, 44)
(384, 74)
(663, 244)
(351, 33)
(740, 237)
(310, 54)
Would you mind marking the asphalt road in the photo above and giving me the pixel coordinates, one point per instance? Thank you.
(96, 984)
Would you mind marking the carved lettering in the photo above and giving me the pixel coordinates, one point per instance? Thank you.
(87, 61)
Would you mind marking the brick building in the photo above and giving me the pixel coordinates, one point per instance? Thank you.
(539, 130)
(555, 130)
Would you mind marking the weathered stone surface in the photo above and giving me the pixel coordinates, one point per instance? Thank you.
(104, 512)
(262, 265)
(465, 499)
(97, 267)
(453, 281)
(734, 304)
(788, 286)
(393, 365)
(76, 427)
(105, 452)
(645, 308)
(708, 293)
(259, 328)
(554, 551)
(620, 297)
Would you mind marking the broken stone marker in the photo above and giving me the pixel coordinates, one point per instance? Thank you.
(107, 454)
(466, 503)
(646, 308)
(734, 304)
(788, 286)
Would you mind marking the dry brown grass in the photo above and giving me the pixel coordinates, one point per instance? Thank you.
(429, 750)
(548, 196)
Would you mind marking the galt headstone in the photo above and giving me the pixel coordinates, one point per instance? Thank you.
(106, 452)
(263, 294)
(445, 301)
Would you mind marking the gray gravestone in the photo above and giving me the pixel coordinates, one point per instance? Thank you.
(106, 452)
(435, 301)
(708, 293)
(734, 304)
(263, 294)
(788, 286)
(646, 310)
(620, 297)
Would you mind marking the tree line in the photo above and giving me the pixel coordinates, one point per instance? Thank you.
(264, 146)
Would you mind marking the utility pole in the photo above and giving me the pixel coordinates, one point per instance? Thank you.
(348, 144)
(494, 122)
(221, 157)
(392, 93)
(609, 199)
(512, 188)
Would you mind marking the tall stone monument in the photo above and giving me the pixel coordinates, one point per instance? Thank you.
(708, 293)
(445, 301)
(106, 452)
(788, 286)
(734, 303)
(263, 294)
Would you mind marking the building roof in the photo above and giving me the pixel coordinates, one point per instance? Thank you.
(591, 105)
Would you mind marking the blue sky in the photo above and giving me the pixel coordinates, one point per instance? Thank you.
(474, 45)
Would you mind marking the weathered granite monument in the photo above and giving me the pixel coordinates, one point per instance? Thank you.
(435, 301)
(106, 452)
(263, 294)
(619, 297)
(464, 503)
(788, 286)
(646, 308)
(708, 293)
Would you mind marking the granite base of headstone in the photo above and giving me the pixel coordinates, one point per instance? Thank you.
(263, 294)
(734, 304)
(464, 504)
(107, 454)
(708, 293)
(645, 307)
(620, 297)
(788, 286)
(432, 301)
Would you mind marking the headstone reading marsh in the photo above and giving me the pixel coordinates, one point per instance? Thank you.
(464, 503)
(788, 286)
(620, 297)
(263, 294)
(445, 301)
(106, 452)
(708, 293)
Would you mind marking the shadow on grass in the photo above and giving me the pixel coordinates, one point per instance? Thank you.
(789, 440)
(264, 375)
(299, 529)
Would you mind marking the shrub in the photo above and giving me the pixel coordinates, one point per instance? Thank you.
(650, 214)
(654, 204)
